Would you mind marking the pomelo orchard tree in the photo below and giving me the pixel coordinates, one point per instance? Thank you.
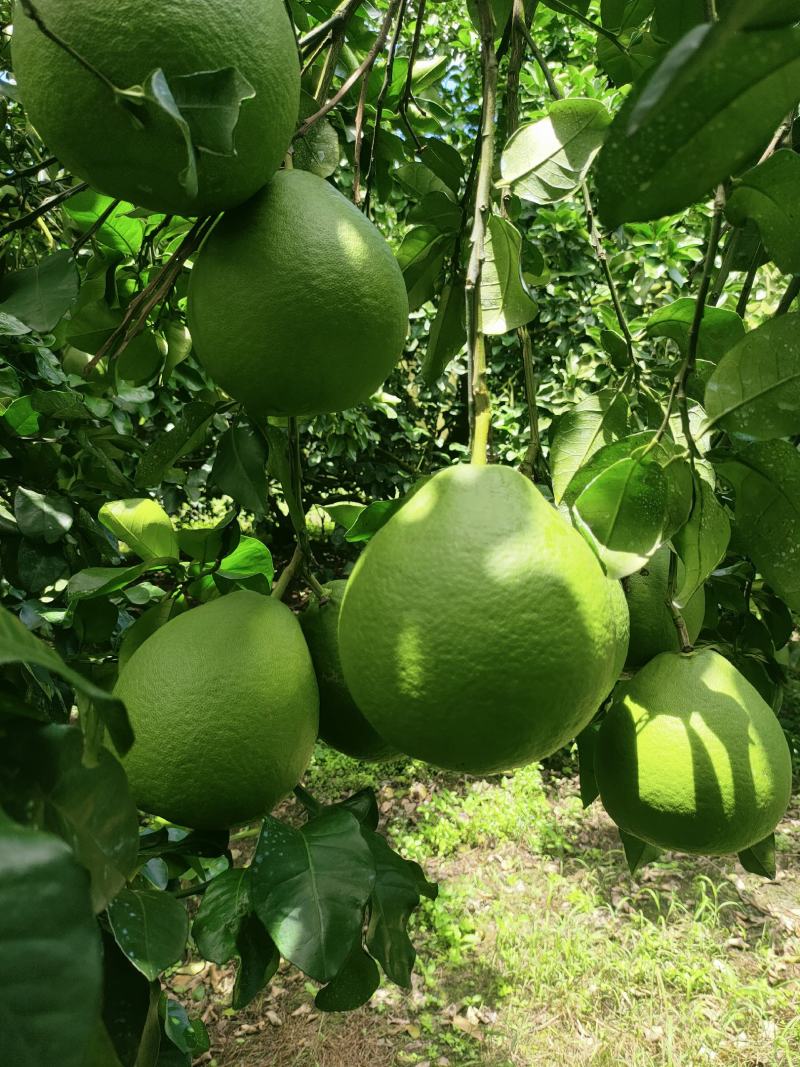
(215, 222)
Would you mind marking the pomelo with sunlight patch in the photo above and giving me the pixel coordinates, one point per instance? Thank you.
(690, 757)
(138, 153)
(296, 303)
(478, 630)
(224, 708)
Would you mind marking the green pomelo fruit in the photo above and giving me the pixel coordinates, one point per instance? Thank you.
(652, 626)
(101, 141)
(478, 631)
(691, 758)
(341, 724)
(622, 626)
(224, 708)
(296, 303)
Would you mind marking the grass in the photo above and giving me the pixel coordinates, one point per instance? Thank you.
(541, 949)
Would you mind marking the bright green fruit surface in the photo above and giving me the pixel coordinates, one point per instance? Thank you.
(691, 758)
(478, 630)
(652, 626)
(341, 724)
(127, 40)
(224, 708)
(296, 303)
(622, 626)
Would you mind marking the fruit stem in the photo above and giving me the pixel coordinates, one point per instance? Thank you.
(476, 342)
(677, 618)
(288, 574)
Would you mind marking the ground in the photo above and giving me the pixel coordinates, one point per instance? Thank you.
(541, 949)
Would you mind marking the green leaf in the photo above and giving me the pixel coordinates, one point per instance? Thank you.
(637, 853)
(770, 196)
(150, 927)
(258, 961)
(370, 520)
(18, 645)
(756, 14)
(143, 525)
(210, 101)
(90, 807)
(701, 544)
(418, 181)
(187, 1035)
(675, 18)
(421, 255)
(318, 151)
(399, 883)
(185, 436)
(583, 431)
(144, 627)
(281, 467)
(437, 210)
(344, 513)
(103, 581)
(41, 295)
(310, 888)
(130, 1009)
(119, 232)
(755, 390)
(587, 743)
(505, 302)
(448, 332)
(353, 985)
(659, 158)
(249, 559)
(766, 476)
(240, 468)
(720, 328)
(141, 359)
(209, 543)
(760, 858)
(224, 906)
(50, 967)
(22, 417)
(43, 517)
(547, 160)
(444, 160)
(623, 513)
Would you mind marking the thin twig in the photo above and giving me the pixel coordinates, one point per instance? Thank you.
(384, 89)
(332, 26)
(406, 96)
(364, 66)
(29, 172)
(140, 307)
(592, 25)
(99, 222)
(43, 208)
(476, 342)
(789, 297)
(677, 618)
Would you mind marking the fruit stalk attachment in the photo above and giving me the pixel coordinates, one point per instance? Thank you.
(677, 617)
(476, 341)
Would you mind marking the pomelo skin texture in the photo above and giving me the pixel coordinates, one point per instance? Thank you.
(622, 626)
(652, 626)
(691, 758)
(127, 40)
(478, 631)
(341, 724)
(296, 303)
(224, 708)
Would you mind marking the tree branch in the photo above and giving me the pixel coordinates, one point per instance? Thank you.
(384, 89)
(43, 208)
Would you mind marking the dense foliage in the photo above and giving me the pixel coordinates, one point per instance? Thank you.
(626, 341)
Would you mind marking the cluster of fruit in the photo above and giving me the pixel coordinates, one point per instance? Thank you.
(476, 632)
(296, 304)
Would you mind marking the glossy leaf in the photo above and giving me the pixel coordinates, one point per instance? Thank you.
(637, 853)
(712, 104)
(310, 888)
(701, 544)
(399, 884)
(222, 910)
(150, 927)
(50, 967)
(505, 302)
(421, 255)
(766, 477)
(770, 196)
(41, 295)
(760, 858)
(251, 558)
(130, 1009)
(755, 390)
(353, 985)
(720, 329)
(623, 513)
(240, 468)
(258, 961)
(545, 161)
(587, 744)
(582, 431)
(419, 180)
(448, 333)
(143, 525)
(46, 517)
(370, 520)
(165, 451)
(102, 581)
